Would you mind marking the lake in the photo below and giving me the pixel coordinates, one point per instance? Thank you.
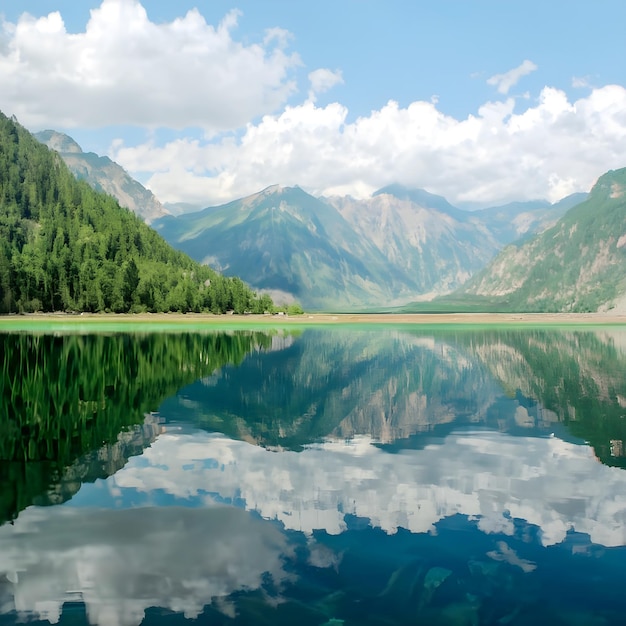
(329, 476)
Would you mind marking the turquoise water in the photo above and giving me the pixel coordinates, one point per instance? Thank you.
(315, 477)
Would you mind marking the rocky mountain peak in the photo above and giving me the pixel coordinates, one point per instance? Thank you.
(104, 175)
(60, 142)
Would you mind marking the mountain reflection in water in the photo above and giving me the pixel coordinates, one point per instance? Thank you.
(336, 476)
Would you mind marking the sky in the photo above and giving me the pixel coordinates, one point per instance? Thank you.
(205, 101)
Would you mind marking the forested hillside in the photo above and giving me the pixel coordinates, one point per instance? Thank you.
(64, 246)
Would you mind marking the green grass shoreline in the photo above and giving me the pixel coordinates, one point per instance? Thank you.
(194, 322)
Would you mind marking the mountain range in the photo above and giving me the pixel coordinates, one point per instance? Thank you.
(399, 246)
(342, 253)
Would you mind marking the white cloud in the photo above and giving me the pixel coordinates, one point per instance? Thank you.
(550, 149)
(580, 82)
(509, 79)
(282, 36)
(125, 69)
(322, 80)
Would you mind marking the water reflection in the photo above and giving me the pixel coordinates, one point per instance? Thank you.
(63, 396)
(552, 484)
(337, 477)
(122, 562)
(393, 385)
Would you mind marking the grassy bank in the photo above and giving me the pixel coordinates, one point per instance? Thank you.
(157, 322)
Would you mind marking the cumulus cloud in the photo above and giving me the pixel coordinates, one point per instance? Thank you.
(186, 74)
(509, 79)
(322, 80)
(125, 69)
(550, 149)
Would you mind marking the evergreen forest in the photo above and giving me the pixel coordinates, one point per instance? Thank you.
(67, 247)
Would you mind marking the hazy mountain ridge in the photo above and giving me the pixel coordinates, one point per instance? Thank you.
(577, 265)
(103, 174)
(514, 220)
(339, 252)
(423, 198)
(285, 240)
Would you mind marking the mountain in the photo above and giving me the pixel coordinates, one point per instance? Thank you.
(422, 198)
(64, 246)
(338, 252)
(577, 265)
(104, 175)
(285, 241)
(400, 245)
(434, 250)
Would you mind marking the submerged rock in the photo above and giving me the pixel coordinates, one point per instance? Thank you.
(435, 576)
(404, 583)
(329, 604)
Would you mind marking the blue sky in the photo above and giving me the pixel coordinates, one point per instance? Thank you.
(481, 101)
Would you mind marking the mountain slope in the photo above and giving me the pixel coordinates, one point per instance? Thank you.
(577, 265)
(511, 221)
(285, 241)
(423, 198)
(104, 175)
(339, 252)
(64, 246)
(434, 250)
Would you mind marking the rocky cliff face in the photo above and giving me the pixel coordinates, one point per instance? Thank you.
(105, 175)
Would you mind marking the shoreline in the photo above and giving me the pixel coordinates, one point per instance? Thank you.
(8, 322)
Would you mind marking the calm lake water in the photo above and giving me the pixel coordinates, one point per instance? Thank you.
(321, 476)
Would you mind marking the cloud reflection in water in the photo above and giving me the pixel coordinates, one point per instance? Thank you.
(124, 561)
(548, 482)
